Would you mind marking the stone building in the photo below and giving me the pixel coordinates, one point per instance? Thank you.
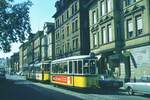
(120, 37)
(71, 28)
(106, 35)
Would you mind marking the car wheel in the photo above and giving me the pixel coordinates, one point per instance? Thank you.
(130, 91)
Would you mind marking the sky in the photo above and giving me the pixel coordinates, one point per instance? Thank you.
(40, 12)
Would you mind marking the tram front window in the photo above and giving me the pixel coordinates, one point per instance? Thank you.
(86, 67)
(92, 67)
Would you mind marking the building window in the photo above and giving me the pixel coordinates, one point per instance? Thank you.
(102, 8)
(62, 18)
(68, 30)
(75, 44)
(68, 47)
(129, 2)
(73, 10)
(109, 5)
(76, 25)
(67, 14)
(110, 34)
(94, 17)
(76, 7)
(95, 40)
(63, 34)
(73, 26)
(139, 25)
(130, 28)
(104, 35)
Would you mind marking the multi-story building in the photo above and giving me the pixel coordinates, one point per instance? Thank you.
(136, 14)
(106, 35)
(48, 42)
(15, 62)
(37, 47)
(120, 37)
(21, 57)
(30, 51)
(71, 28)
(25, 57)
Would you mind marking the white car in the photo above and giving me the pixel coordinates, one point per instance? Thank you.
(143, 86)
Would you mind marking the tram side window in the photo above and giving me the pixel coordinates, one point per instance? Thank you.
(38, 69)
(70, 67)
(47, 67)
(79, 67)
(86, 67)
(65, 68)
(75, 67)
(60, 68)
(55, 68)
(92, 67)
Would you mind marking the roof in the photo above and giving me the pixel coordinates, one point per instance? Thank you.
(74, 58)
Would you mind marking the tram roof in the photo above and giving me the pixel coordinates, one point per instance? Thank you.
(74, 58)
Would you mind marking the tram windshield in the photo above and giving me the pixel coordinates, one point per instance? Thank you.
(89, 67)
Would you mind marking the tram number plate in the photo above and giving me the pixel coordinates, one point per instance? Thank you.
(62, 79)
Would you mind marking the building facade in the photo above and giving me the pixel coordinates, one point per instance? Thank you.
(37, 47)
(21, 57)
(71, 28)
(105, 35)
(136, 14)
(15, 62)
(119, 36)
(49, 41)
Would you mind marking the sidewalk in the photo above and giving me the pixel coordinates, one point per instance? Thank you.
(15, 77)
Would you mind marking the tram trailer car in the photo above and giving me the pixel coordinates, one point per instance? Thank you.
(40, 72)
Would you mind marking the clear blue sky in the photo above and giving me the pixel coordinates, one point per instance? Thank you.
(41, 11)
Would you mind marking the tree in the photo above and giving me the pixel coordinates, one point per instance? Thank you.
(14, 23)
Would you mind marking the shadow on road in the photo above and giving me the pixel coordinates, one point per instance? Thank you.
(103, 91)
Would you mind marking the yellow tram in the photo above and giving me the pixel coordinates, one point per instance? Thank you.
(75, 71)
(40, 72)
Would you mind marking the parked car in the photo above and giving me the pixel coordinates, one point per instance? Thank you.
(2, 74)
(142, 86)
(110, 83)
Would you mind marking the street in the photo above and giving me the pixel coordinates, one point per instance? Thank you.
(27, 90)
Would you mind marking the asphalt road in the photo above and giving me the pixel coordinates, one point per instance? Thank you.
(15, 90)
(26, 90)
